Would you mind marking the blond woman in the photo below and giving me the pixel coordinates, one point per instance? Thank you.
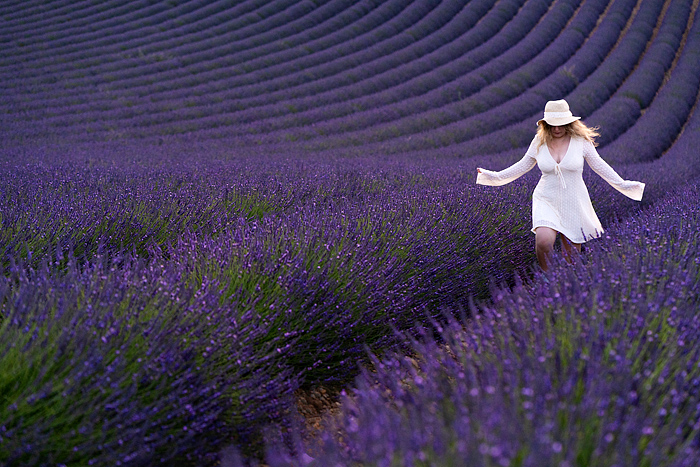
(560, 203)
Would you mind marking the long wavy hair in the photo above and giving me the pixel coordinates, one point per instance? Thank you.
(574, 129)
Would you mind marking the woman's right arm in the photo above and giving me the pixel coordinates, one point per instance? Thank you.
(507, 175)
(489, 177)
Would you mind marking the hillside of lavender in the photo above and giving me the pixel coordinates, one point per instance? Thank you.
(208, 206)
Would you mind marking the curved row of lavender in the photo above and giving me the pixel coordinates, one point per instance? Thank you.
(595, 365)
(205, 207)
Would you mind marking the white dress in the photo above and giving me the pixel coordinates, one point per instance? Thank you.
(560, 200)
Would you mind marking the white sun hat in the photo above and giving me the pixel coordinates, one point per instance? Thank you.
(557, 113)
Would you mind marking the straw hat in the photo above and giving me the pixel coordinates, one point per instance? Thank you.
(557, 113)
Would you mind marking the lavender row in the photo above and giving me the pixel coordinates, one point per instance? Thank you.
(636, 93)
(260, 76)
(436, 77)
(130, 21)
(28, 85)
(244, 18)
(666, 171)
(592, 365)
(521, 93)
(620, 111)
(206, 57)
(120, 362)
(44, 40)
(457, 24)
(457, 93)
(433, 70)
(656, 130)
(374, 19)
(139, 54)
(190, 127)
(107, 16)
(25, 14)
(667, 45)
(388, 71)
(586, 59)
(589, 90)
(526, 107)
(605, 81)
(679, 163)
(560, 15)
(131, 53)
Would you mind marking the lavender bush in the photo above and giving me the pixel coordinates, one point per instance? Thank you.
(592, 364)
(206, 207)
(119, 362)
(244, 290)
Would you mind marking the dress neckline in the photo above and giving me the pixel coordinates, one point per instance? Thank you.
(562, 157)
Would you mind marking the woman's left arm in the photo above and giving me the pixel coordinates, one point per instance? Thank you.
(629, 188)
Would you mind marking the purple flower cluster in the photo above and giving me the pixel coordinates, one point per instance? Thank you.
(205, 207)
(593, 364)
(249, 276)
(120, 362)
(309, 260)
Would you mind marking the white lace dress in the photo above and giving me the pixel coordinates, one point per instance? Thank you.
(560, 200)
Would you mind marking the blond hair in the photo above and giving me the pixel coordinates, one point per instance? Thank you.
(574, 129)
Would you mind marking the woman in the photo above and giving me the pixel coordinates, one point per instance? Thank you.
(560, 202)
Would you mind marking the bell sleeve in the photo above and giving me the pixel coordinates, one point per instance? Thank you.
(629, 188)
(507, 175)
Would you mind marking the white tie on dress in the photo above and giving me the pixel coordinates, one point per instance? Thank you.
(557, 170)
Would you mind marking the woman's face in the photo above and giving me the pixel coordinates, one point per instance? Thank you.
(558, 131)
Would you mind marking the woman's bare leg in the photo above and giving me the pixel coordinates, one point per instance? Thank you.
(544, 244)
(568, 245)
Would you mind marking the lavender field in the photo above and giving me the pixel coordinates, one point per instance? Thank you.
(208, 206)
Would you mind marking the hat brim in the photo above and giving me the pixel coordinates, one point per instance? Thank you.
(558, 121)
